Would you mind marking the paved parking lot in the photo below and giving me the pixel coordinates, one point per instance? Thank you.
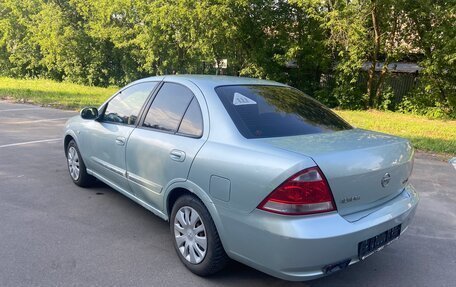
(53, 233)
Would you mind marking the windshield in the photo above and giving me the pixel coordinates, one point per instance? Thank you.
(275, 111)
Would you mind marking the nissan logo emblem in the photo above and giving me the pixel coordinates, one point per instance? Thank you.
(386, 179)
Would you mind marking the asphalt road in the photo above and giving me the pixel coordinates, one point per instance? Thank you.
(53, 233)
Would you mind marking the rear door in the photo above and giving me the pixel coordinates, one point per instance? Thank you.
(161, 149)
(104, 140)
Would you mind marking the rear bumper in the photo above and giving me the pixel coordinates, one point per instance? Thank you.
(298, 248)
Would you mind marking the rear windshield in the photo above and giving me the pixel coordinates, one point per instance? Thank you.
(274, 111)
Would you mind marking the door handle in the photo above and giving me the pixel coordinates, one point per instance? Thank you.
(177, 155)
(120, 140)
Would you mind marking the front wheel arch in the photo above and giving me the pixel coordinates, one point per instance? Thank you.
(66, 141)
(84, 179)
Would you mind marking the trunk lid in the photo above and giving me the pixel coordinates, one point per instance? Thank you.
(364, 169)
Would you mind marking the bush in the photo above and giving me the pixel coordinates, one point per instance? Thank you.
(387, 98)
(424, 102)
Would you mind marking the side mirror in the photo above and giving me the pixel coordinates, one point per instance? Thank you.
(89, 113)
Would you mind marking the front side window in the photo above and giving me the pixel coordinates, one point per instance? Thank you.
(274, 111)
(125, 106)
(168, 107)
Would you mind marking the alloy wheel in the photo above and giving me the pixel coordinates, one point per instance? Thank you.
(73, 163)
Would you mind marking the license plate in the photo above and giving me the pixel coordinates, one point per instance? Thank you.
(377, 243)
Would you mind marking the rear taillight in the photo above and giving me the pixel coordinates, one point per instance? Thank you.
(306, 192)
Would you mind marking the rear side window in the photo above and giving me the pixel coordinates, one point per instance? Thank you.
(168, 107)
(274, 111)
(192, 122)
(125, 106)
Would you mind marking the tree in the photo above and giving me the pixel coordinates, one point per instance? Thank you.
(19, 55)
(373, 32)
(435, 35)
(351, 43)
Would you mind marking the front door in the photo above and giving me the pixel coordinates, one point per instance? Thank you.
(105, 140)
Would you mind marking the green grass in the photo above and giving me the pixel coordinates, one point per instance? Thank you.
(436, 136)
(50, 93)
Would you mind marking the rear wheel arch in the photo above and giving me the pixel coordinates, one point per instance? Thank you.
(177, 190)
(172, 197)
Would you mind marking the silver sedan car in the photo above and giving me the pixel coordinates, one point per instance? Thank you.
(247, 169)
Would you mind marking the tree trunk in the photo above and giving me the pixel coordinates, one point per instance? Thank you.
(371, 91)
(381, 80)
(370, 84)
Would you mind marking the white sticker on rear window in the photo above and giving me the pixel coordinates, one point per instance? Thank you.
(240, 100)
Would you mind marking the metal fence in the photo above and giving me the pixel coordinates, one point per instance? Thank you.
(401, 84)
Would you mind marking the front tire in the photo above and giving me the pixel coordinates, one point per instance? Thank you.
(76, 166)
(196, 239)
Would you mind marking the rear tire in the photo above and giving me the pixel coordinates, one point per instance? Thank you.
(76, 167)
(195, 237)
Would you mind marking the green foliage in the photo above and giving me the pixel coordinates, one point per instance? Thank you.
(387, 99)
(420, 102)
(346, 25)
(20, 55)
(433, 24)
(113, 42)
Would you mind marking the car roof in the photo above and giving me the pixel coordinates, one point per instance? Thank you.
(212, 81)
